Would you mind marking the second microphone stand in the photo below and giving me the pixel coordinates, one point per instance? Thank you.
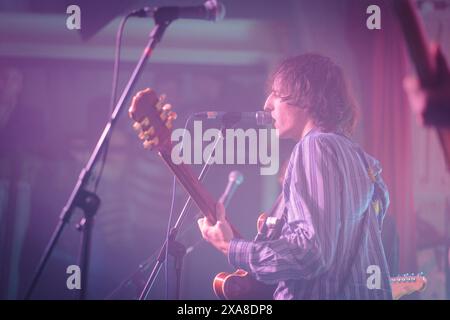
(175, 248)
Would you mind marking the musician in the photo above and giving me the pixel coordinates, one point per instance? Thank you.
(333, 197)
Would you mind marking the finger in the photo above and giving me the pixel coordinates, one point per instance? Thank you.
(220, 211)
(203, 227)
(200, 223)
(207, 222)
(203, 230)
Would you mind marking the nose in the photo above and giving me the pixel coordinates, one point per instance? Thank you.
(268, 106)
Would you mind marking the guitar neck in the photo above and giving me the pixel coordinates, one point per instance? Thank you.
(417, 44)
(190, 183)
(194, 188)
(416, 41)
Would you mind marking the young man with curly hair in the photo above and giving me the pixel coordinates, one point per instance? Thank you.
(333, 198)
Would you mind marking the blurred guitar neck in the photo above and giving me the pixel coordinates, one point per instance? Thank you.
(417, 44)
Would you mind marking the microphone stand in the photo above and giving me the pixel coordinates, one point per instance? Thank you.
(175, 248)
(80, 197)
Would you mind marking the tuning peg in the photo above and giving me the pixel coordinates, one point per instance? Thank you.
(147, 134)
(145, 122)
(149, 144)
(169, 123)
(161, 101)
(172, 115)
(137, 126)
(167, 107)
(168, 115)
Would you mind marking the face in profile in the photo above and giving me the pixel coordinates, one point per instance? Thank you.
(289, 119)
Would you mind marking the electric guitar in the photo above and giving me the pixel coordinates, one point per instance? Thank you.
(407, 284)
(153, 122)
(236, 286)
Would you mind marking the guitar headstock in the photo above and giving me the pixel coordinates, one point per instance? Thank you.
(407, 284)
(153, 119)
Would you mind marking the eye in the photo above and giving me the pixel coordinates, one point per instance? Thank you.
(277, 94)
(286, 99)
(283, 98)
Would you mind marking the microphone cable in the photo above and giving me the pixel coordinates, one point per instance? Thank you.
(115, 81)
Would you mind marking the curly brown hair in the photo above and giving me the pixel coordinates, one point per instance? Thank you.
(317, 84)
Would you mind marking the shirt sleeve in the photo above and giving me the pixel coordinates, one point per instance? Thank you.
(307, 245)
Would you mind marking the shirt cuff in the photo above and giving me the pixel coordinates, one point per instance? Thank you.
(239, 254)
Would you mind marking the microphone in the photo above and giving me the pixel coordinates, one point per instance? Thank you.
(210, 10)
(235, 179)
(261, 118)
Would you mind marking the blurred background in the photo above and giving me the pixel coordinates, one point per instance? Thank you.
(55, 87)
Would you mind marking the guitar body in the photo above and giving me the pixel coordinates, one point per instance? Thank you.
(407, 284)
(240, 285)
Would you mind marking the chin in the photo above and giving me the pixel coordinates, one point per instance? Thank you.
(280, 133)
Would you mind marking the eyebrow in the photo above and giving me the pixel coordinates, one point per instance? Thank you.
(278, 94)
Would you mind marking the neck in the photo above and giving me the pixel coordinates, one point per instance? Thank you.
(307, 128)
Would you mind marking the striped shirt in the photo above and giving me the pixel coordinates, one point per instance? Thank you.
(330, 244)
